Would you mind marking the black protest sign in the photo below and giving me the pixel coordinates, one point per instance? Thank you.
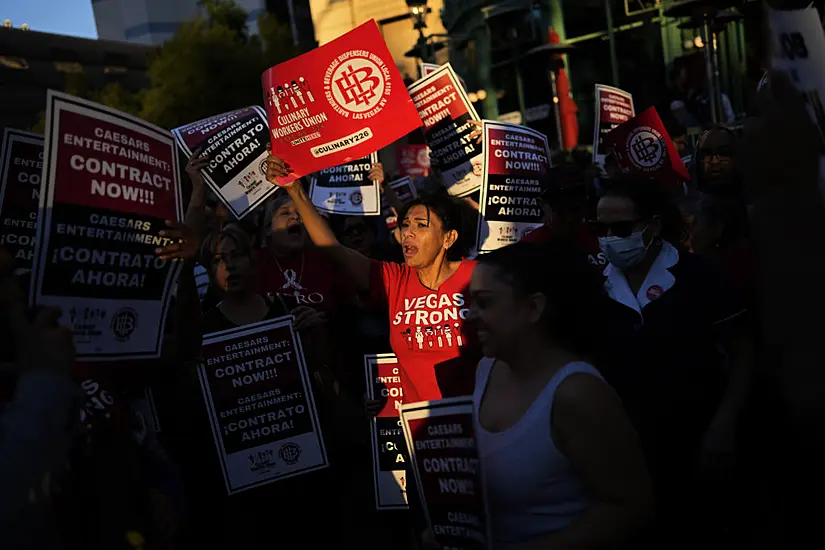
(235, 143)
(405, 190)
(257, 392)
(109, 183)
(442, 445)
(347, 189)
(516, 159)
(389, 449)
(446, 110)
(21, 164)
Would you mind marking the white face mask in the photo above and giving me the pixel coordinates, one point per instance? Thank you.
(624, 252)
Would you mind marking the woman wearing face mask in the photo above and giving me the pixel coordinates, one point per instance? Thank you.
(562, 463)
(678, 349)
(427, 294)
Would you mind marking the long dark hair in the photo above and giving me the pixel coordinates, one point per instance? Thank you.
(574, 290)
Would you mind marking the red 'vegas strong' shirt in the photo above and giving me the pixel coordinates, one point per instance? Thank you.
(436, 355)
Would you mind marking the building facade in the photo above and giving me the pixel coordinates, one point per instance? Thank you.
(332, 18)
(152, 22)
(626, 43)
(33, 62)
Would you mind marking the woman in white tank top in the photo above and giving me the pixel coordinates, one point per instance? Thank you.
(561, 461)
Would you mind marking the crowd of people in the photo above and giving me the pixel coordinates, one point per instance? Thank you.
(622, 360)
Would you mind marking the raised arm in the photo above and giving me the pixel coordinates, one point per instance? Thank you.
(356, 265)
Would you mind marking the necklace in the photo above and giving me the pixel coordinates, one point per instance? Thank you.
(291, 279)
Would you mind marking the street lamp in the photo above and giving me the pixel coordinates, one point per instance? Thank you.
(418, 13)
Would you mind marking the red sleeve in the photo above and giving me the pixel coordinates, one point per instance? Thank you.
(384, 277)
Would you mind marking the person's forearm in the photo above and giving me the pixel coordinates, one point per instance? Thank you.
(196, 211)
(315, 225)
(34, 435)
(603, 525)
(356, 265)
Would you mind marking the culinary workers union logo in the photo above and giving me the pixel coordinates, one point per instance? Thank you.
(646, 148)
(357, 82)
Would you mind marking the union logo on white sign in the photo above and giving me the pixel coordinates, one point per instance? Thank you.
(646, 148)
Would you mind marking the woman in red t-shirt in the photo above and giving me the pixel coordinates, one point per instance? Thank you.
(426, 296)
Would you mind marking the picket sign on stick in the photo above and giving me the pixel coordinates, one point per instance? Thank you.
(798, 48)
(21, 164)
(347, 189)
(235, 143)
(260, 403)
(389, 449)
(336, 103)
(516, 159)
(109, 183)
(446, 111)
(445, 462)
(613, 107)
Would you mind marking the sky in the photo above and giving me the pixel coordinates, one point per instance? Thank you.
(73, 17)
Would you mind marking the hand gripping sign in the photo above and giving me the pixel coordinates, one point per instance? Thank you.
(336, 103)
(236, 145)
(109, 182)
(446, 111)
(613, 107)
(516, 159)
(389, 449)
(798, 48)
(441, 441)
(643, 146)
(21, 163)
(261, 408)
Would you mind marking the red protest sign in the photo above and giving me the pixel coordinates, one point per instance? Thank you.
(337, 103)
(643, 146)
(413, 160)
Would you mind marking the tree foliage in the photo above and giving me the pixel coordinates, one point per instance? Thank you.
(209, 66)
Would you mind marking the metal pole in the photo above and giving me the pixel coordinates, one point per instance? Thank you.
(555, 90)
(710, 71)
(611, 36)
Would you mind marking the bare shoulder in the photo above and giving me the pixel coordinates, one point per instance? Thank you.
(584, 395)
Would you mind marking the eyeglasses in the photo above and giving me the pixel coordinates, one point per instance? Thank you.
(623, 228)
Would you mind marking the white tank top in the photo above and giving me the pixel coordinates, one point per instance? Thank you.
(531, 488)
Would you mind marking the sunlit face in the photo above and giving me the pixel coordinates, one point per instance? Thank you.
(423, 239)
(617, 218)
(499, 315)
(232, 266)
(357, 235)
(716, 155)
(287, 229)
